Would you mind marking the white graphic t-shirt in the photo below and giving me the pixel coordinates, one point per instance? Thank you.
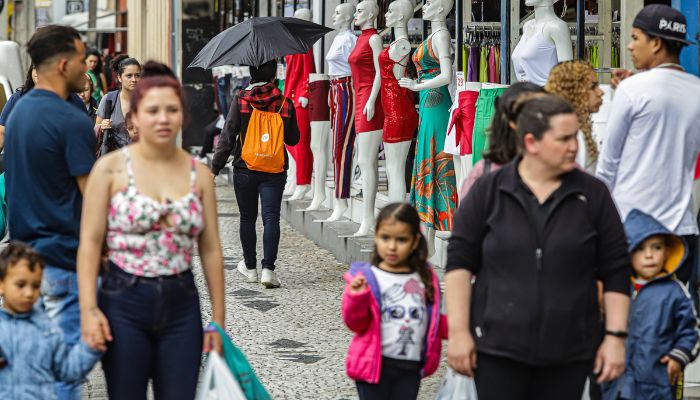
(404, 314)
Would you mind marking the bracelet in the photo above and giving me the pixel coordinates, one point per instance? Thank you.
(618, 334)
(210, 328)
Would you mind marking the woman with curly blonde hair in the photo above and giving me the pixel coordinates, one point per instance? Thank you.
(576, 82)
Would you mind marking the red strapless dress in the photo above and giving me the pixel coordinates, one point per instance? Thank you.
(361, 62)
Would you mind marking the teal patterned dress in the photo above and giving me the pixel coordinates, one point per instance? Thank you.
(433, 190)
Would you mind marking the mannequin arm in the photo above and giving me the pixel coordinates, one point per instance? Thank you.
(558, 32)
(441, 46)
(375, 42)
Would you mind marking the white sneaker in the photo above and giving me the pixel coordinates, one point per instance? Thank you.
(251, 275)
(269, 279)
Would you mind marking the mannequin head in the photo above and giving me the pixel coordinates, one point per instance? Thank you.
(540, 3)
(343, 15)
(400, 11)
(437, 10)
(366, 14)
(303, 13)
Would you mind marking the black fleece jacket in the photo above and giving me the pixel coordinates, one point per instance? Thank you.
(534, 299)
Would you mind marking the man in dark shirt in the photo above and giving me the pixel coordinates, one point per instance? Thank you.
(49, 152)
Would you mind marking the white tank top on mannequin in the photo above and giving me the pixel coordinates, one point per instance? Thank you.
(534, 57)
(337, 57)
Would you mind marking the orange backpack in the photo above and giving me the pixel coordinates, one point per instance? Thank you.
(263, 148)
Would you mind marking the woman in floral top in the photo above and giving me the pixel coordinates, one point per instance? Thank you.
(153, 203)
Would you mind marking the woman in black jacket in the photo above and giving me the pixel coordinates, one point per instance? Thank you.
(535, 236)
(250, 182)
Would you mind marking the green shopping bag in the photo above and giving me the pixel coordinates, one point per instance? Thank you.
(241, 369)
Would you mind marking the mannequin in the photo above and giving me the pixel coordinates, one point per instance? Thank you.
(546, 41)
(296, 88)
(342, 103)
(319, 114)
(401, 118)
(434, 191)
(369, 115)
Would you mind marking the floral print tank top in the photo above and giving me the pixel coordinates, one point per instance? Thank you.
(149, 238)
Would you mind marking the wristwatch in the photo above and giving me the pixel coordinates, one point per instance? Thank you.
(619, 334)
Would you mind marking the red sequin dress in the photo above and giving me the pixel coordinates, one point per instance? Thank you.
(400, 115)
(362, 66)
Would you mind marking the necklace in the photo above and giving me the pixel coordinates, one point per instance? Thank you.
(671, 65)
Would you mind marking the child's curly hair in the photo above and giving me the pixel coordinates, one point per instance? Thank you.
(571, 80)
(16, 251)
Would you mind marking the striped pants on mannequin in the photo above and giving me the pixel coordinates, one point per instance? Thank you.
(342, 125)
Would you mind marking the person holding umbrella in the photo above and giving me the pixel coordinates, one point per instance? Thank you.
(259, 105)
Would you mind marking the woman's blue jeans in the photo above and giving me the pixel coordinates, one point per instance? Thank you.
(157, 334)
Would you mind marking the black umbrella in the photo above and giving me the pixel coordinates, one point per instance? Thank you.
(258, 40)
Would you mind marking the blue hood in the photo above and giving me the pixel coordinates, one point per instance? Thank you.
(640, 226)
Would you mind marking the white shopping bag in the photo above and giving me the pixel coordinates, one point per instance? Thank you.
(218, 382)
(456, 387)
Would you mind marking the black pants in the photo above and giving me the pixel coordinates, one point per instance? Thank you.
(394, 384)
(249, 187)
(157, 330)
(210, 132)
(500, 378)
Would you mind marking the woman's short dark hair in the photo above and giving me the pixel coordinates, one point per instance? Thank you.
(120, 62)
(50, 41)
(535, 115)
(264, 73)
(28, 81)
(503, 139)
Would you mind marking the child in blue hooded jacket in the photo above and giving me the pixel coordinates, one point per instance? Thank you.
(663, 338)
(33, 355)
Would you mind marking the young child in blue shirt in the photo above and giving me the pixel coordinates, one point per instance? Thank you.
(33, 355)
(663, 336)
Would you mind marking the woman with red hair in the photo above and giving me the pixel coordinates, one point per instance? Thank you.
(153, 203)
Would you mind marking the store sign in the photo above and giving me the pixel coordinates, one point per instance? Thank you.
(74, 6)
(461, 82)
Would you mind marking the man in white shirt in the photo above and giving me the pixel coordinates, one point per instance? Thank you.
(648, 157)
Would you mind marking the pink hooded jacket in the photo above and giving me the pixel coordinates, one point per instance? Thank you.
(361, 315)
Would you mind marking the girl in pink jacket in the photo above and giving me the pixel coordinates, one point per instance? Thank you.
(393, 307)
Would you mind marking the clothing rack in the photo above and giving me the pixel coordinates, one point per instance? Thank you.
(481, 52)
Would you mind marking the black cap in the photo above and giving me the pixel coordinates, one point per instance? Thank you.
(662, 21)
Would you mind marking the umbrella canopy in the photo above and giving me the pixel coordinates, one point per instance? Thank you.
(258, 40)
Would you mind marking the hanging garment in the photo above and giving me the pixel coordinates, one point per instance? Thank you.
(473, 73)
(484, 65)
(493, 74)
(465, 60)
(485, 109)
(299, 66)
(497, 57)
(342, 125)
(433, 190)
(362, 65)
(534, 57)
(400, 118)
(462, 120)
